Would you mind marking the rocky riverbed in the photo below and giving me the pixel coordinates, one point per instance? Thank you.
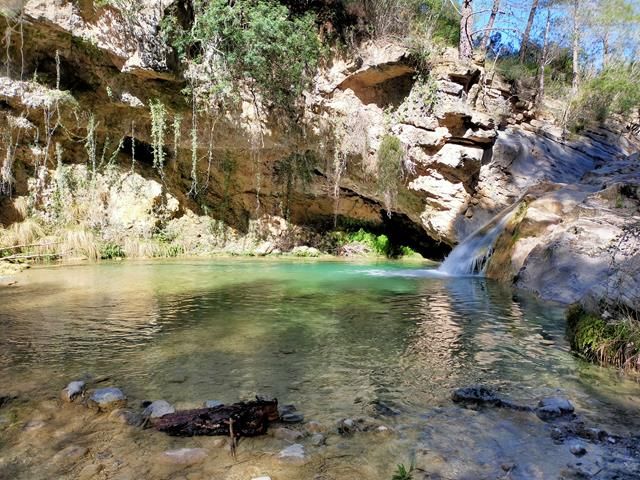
(100, 434)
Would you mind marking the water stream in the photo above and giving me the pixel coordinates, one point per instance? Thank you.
(471, 256)
(339, 340)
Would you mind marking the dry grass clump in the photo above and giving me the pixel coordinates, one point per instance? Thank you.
(141, 248)
(80, 242)
(27, 232)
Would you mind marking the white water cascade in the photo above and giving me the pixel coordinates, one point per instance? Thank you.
(472, 255)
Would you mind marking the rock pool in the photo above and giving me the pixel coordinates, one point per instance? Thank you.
(379, 343)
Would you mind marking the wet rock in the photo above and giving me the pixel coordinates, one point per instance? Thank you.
(477, 394)
(315, 427)
(286, 434)
(318, 439)
(578, 449)
(293, 454)
(33, 425)
(292, 417)
(553, 407)
(382, 408)
(287, 408)
(126, 417)
(73, 390)
(157, 409)
(213, 404)
(72, 452)
(184, 456)
(107, 399)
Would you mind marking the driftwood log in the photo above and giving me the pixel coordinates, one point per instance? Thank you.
(244, 419)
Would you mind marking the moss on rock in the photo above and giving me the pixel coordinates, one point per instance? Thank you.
(613, 343)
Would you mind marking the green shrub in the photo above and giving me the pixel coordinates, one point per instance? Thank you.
(109, 251)
(613, 91)
(255, 39)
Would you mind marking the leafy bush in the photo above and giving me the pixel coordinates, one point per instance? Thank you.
(613, 91)
(255, 39)
(109, 251)
(380, 244)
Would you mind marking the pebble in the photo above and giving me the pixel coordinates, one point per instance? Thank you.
(578, 449)
(213, 404)
(315, 427)
(293, 453)
(288, 408)
(292, 418)
(158, 409)
(184, 456)
(106, 399)
(33, 425)
(318, 439)
(73, 390)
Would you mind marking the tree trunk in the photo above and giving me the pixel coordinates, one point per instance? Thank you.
(605, 49)
(492, 18)
(465, 48)
(575, 48)
(543, 59)
(527, 30)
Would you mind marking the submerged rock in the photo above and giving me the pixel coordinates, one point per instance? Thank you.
(158, 408)
(578, 449)
(126, 417)
(318, 439)
(213, 404)
(475, 394)
(107, 399)
(553, 407)
(287, 434)
(294, 453)
(294, 417)
(73, 390)
(184, 456)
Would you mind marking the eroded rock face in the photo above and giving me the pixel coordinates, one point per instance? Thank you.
(462, 164)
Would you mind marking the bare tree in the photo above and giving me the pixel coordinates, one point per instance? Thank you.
(495, 8)
(465, 47)
(544, 58)
(527, 30)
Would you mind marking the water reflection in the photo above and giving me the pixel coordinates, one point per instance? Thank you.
(332, 337)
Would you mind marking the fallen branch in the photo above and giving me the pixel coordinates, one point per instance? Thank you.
(16, 247)
(28, 257)
(244, 419)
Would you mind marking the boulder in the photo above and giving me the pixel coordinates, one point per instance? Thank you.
(73, 391)
(107, 399)
(553, 407)
(158, 408)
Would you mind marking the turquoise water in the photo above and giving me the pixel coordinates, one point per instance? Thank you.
(337, 339)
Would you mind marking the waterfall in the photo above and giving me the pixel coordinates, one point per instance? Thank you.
(472, 255)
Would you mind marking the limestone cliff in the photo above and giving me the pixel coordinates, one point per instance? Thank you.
(78, 141)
